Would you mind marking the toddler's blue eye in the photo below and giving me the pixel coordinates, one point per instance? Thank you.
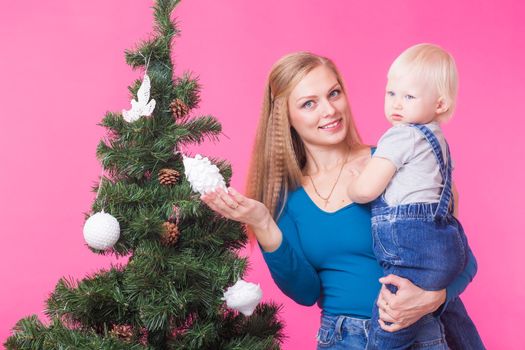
(409, 97)
(390, 93)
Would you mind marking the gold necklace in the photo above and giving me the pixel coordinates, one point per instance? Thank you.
(326, 199)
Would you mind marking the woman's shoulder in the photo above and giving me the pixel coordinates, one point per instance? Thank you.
(364, 150)
(359, 156)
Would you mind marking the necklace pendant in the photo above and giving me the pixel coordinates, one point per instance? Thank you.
(326, 203)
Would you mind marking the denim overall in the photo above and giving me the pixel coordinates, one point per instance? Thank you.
(424, 243)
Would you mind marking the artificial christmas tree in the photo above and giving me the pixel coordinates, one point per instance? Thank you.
(170, 294)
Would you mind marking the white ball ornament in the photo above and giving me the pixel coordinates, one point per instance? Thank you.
(243, 296)
(101, 231)
(202, 175)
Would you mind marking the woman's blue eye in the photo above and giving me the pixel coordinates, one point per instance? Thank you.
(308, 104)
(335, 93)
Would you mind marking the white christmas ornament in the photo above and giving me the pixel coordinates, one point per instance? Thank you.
(202, 175)
(101, 231)
(142, 107)
(243, 296)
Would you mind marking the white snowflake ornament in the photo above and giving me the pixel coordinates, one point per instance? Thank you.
(243, 296)
(202, 175)
(101, 231)
(140, 108)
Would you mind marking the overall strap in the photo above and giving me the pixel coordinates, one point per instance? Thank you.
(446, 200)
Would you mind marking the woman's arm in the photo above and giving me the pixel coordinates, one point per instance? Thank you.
(462, 281)
(408, 305)
(290, 270)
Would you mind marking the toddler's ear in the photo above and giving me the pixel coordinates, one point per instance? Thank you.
(442, 105)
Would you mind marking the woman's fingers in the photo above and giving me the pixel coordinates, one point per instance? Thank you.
(393, 327)
(223, 203)
(383, 315)
(235, 206)
(388, 322)
(211, 201)
(237, 196)
(224, 208)
(227, 199)
(386, 313)
(395, 280)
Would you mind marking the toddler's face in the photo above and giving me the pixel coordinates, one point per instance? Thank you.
(409, 99)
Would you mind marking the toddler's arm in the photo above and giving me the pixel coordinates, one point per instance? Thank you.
(372, 181)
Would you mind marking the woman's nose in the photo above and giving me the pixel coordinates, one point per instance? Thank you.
(328, 109)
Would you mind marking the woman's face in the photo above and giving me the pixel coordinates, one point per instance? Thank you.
(319, 109)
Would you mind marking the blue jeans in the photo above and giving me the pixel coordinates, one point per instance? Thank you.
(342, 332)
(460, 331)
(408, 242)
(348, 333)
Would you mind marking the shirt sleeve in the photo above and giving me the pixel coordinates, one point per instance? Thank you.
(290, 269)
(462, 281)
(396, 145)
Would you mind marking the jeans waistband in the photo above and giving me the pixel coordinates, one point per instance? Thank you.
(410, 210)
(338, 322)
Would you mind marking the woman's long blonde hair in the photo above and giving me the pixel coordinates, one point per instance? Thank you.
(279, 154)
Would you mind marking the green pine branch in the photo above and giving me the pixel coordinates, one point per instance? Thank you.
(31, 334)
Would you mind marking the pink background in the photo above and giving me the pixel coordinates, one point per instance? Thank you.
(63, 68)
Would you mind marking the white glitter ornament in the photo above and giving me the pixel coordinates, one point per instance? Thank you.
(140, 108)
(202, 175)
(101, 231)
(243, 296)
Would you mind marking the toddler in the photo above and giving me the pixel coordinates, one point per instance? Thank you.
(409, 182)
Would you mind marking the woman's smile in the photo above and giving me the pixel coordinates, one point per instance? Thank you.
(333, 125)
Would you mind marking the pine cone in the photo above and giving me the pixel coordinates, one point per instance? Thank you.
(124, 332)
(171, 233)
(168, 177)
(179, 108)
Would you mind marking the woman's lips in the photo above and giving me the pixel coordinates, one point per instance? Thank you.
(331, 125)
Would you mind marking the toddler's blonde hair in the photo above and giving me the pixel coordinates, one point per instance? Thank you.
(436, 66)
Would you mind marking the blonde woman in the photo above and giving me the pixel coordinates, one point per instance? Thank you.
(315, 241)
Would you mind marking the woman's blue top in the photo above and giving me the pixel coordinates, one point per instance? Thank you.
(327, 258)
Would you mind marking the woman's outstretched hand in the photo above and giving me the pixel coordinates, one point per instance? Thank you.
(408, 305)
(235, 206)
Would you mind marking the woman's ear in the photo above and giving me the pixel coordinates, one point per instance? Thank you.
(442, 105)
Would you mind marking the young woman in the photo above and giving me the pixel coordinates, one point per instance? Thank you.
(315, 241)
